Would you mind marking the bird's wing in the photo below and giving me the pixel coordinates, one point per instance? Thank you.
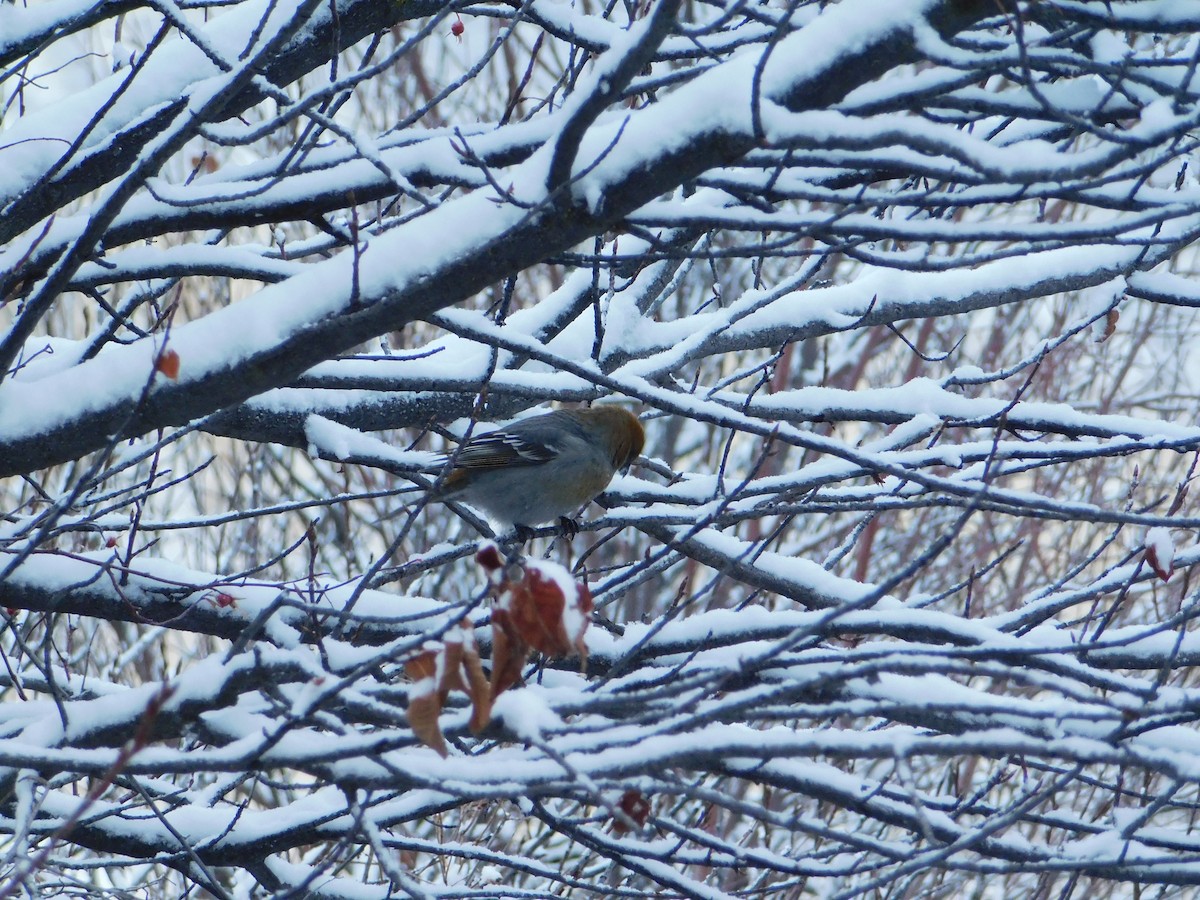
(504, 448)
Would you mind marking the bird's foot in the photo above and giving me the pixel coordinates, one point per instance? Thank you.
(524, 533)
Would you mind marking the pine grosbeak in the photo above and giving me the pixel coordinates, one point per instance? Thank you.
(544, 467)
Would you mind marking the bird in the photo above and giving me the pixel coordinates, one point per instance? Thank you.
(544, 467)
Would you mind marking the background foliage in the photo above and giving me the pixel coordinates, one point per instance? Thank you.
(899, 601)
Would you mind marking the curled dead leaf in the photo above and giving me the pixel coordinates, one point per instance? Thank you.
(453, 665)
(509, 654)
(425, 701)
(1110, 325)
(538, 607)
(550, 612)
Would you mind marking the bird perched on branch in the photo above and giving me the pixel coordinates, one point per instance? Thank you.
(544, 467)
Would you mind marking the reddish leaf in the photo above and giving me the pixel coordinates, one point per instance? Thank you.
(633, 803)
(423, 665)
(1110, 325)
(540, 607)
(1162, 571)
(476, 681)
(423, 712)
(425, 700)
(436, 671)
(489, 557)
(549, 611)
(1160, 552)
(168, 364)
(509, 654)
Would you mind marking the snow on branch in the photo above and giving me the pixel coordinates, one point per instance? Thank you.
(898, 597)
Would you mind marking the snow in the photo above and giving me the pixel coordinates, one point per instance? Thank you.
(889, 290)
(332, 439)
(926, 397)
(30, 144)
(1106, 845)
(799, 572)
(20, 23)
(237, 333)
(526, 714)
